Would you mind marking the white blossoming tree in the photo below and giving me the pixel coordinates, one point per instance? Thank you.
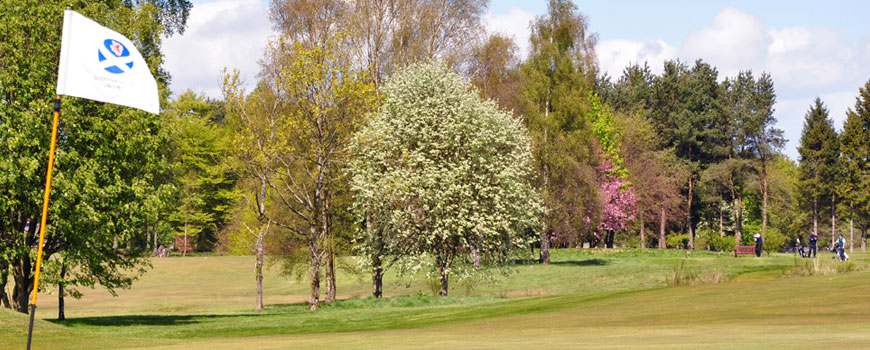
(442, 179)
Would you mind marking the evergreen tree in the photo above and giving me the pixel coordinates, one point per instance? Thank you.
(687, 112)
(749, 105)
(855, 161)
(819, 152)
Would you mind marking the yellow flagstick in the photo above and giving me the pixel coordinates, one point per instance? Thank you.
(42, 227)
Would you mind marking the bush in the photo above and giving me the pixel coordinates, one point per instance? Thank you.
(681, 240)
(714, 241)
(774, 240)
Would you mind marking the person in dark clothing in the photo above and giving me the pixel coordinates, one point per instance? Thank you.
(814, 239)
(758, 242)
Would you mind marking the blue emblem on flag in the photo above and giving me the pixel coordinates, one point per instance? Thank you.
(115, 57)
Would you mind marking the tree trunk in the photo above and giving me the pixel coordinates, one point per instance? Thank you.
(763, 189)
(314, 272)
(258, 270)
(377, 265)
(642, 238)
(863, 241)
(834, 219)
(4, 277)
(816, 215)
(691, 227)
(330, 275)
(377, 281)
(442, 271)
(184, 243)
(326, 232)
(475, 256)
(545, 245)
(663, 243)
(61, 315)
(851, 228)
(21, 274)
(721, 221)
(738, 223)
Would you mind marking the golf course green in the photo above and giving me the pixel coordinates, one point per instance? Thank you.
(586, 299)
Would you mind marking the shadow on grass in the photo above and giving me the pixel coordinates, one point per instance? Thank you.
(140, 320)
(587, 262)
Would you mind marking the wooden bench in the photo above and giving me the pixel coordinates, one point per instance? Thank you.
(744, 250)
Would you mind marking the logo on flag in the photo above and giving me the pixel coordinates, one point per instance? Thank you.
(115, 57)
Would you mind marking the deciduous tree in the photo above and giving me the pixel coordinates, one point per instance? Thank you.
(446, 174)
(558, 77)
(111, 168)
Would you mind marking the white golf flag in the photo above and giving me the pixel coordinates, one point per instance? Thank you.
(99, 64)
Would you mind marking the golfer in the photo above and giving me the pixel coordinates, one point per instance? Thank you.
(841, 247)
(758, 242)
(814, 239)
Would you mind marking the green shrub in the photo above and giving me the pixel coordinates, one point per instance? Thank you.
(714, 241)
(681, 240)
(773, 240)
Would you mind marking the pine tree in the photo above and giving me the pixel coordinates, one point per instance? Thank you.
(855, 147)
(819, 152)
(687, 112)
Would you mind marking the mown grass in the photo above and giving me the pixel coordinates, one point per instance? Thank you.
(611, 295)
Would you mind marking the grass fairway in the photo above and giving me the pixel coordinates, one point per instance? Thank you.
(588, 300)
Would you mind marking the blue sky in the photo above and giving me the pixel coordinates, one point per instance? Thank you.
(672, 20)
(810, 48)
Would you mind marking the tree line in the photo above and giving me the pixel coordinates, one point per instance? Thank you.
(404, 134)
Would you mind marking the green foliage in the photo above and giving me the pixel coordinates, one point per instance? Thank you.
(774, 240)
(111, 178)
(443, 173)
(678, 241)
(558, 78)
(607, 134)
(205, 196)
(819, 154)
(855, 161)
(716, 242)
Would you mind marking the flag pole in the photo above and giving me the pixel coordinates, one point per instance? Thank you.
(42, 227)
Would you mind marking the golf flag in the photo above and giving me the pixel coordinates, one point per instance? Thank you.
(99, 64)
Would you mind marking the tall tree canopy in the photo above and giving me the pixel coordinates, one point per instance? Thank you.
(111, 167)
(448, 175)
(205, 182)
(855, 162)
(819, 153)
(558, 78)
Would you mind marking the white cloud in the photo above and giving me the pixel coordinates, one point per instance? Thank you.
(615, 55)
(224, 33)
(736, 40)
(514, 24)
(812, 59)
